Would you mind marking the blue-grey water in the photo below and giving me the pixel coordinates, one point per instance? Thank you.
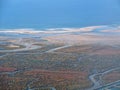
(58, 13)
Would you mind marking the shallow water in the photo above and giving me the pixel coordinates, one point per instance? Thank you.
(115, 86)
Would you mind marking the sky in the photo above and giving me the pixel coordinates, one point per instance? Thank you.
(58, 13)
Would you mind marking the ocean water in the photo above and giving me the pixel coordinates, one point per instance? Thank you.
(58, 13)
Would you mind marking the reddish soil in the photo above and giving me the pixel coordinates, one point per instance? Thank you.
(59, 75)
(107, 51)
(111, 77)
(7, 69)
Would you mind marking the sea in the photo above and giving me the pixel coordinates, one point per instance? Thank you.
(42, 14)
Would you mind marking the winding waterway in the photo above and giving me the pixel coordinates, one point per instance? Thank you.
(97, 83)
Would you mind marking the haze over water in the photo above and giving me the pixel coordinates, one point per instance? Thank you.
(58, 13)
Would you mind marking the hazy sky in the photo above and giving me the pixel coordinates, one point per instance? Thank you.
(58, 13)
